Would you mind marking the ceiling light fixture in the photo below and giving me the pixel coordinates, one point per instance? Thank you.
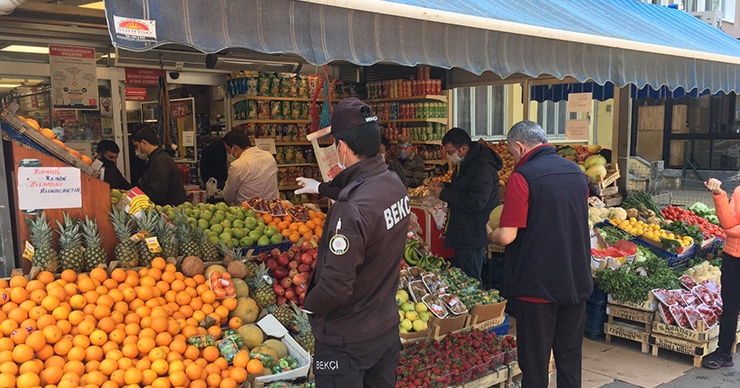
(17, 48)
(8, 86)
(99, 5)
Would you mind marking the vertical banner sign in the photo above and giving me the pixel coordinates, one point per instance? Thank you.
(143, 77)
(49, 188)
(74, 79)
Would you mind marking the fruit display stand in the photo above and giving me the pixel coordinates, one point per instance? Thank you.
(431, 234)
(96, 203)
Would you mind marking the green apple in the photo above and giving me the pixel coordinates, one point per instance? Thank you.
(270, 231)
(421, 308)
(230, 217)
(226, 223)
(424, 317)
(239, 233)
(237, 224)
(246, 242)
(217, 228)
(211, 233)
(419, 325)
(224, 237)
(240, 216)
(187, 205)
(263, 241)
(222, 206)
(250, 224)
(218, 217)
(276, 239)
(251, 213)
(203, 224)
(408, 306)
(214, 221)
(206, 215)
(234, 242)
(402, 297)
(192, 221)
(255, 235)
(214, 240)
(195, 213)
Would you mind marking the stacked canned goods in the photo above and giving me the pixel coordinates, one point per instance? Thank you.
(401, 88)
(412, 110)
(429, 132)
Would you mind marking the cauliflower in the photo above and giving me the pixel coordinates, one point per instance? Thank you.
(705, 271)
(618, 213)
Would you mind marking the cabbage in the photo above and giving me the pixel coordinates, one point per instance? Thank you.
(596, 173)
(595, 160)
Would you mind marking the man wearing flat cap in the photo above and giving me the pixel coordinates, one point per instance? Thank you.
(351, 298)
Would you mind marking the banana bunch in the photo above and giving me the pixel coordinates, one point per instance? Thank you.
(416, 257)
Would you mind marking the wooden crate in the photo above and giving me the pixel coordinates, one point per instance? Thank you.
(495, 379)
(697, 350)
(650, 303)
(632, 332)
(702, 335)
(486, 325)
(631, 316)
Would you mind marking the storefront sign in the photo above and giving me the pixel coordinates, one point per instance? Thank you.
(143, 77)
(576, 129)
(74, 80)
(135, 94)
(49, 188)
(138, 30)
(179, 109)
(580, 102)
(266, 145)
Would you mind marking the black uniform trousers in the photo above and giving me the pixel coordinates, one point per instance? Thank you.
(368, 364)
(730, 301)
(541, 327)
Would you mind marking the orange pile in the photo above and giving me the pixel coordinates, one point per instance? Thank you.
(51, 136)
(126, 329)
(295, 230)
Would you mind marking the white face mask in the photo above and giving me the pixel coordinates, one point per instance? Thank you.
(456, 159)
(230, 157)
(340, 163)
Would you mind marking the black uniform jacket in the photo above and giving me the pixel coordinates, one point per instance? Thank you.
(352, 293)
(162, 181)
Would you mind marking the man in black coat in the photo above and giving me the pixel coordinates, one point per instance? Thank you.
(470, 197)
(213, 163)
(162, 181)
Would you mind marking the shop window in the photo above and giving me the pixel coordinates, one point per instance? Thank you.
(727, 7)
(480, 110)
(552, 116)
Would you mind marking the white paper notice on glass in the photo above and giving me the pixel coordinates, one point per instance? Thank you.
(188, 138)
(49, 188)
(266, 145)
(576, 129)
(580, 102)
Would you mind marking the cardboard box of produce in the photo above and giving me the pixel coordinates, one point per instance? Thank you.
(274, 329)
(489, 311)
(448, 325)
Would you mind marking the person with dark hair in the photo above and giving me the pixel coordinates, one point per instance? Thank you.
(108, 151)
(352, 295)
(213, 162)
(411, 162)
(471, 196)
(162, 180)
(393, 165)
(546, 267)
(252, 171)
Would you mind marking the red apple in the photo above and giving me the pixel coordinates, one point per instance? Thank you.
(282, 300)
(286, 283)
(271, 264)
(304, 267)
(299, 280)
(293, 272)
(283, 259)
(279, 290)
(313, 265)
(275, 252)
(290, 294)
(306, 246)
(262, 257)
(306, 258)
(294, 264)
(301, 297)
(280, 273)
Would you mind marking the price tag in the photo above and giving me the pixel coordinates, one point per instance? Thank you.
(29, 251)
(153, 244)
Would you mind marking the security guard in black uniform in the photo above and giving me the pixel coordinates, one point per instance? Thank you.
(352, 294)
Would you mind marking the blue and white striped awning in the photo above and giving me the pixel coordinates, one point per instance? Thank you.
(618, 41)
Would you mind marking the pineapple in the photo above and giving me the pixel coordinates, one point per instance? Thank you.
(71, 255)
(283, 314)
(263, 293)
(185, 236)
(42, 236)
(94, 254)
(126, 252)
(305, 336)
(166, 232)
(147, 221)
(208, 251)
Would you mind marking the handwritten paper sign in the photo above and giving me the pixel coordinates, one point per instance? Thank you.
(49, 188)
(576, 129)
(580, 102)
(266, 145)
(188, 138)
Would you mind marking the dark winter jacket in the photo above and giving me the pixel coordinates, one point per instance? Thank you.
(470, 197)
(352, 294)
(413, 170)
(162, 181)
(112, 176)
(213, 163)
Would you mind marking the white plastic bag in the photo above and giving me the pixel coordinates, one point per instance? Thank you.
(211, 187)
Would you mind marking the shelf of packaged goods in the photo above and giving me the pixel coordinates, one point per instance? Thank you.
(409, 99)
(288, 187)
(276, 98)
(299, 143)
(299, 165)
(427, 142)
(440, 162)
(430, 120)
(262, 121)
